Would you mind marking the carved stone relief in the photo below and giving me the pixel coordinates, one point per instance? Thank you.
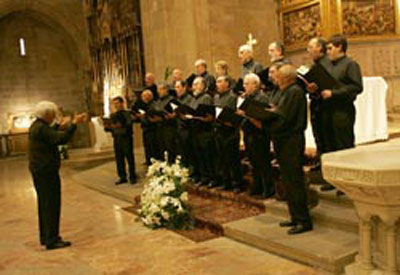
(362, 18)
(299, 26)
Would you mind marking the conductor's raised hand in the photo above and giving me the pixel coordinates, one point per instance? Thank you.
(64, 122)
(79, 118)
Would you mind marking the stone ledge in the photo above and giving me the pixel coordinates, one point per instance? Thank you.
(263, 232)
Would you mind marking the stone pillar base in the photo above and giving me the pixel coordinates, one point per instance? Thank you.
(357, 269)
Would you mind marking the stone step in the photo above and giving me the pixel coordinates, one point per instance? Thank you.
(86, 152)
(326, 248)
(87, 162)
(326, 213)
(86, 158)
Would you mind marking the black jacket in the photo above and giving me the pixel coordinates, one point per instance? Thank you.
(292, 108)
(123, 118)
(43, 142)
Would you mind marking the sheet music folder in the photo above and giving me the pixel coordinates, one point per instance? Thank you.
(320, 76)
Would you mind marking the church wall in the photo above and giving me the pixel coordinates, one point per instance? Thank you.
(47, 72)
(177, 32)
(57, 61)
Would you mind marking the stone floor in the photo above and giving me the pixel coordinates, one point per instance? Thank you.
(107, 240)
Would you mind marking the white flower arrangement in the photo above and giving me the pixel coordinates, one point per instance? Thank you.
(164, 198)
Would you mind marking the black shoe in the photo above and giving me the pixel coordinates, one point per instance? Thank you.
(58, 244)
(267, 195)
(287, 224)
(133, 181)
(121, 181)
(300, 228)
(327, 187)
(340, 193)
(42, 241)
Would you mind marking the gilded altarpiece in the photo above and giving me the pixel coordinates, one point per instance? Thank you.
(115, 42)
(371, 20)
(364, 18)
(301, 24)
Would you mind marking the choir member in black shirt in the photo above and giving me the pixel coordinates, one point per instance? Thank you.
(288, 139)
(122, 133)
(185, 148)
(227, 139)
(149, 127)
(150, 81)
(221, 69)
(317, 50)
(202, 133)
(276, 52)
(167, 126)
(339, 112)
(201, 71)
(257, 142)
(245, 55)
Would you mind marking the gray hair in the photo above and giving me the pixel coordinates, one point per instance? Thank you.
(245, 48)
(45, 107)
(200, 79)
(200, 62)
(252, 77)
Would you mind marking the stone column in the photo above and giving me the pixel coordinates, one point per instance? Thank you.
(391, 246)
(365, 244)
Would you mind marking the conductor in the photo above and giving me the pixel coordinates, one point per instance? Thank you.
(44, 165)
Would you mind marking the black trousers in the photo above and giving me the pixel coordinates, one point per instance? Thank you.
(338, 126)
(150, 143)
(290, 152)
(166, 135)
(48, 190)
(185, 147)
(258, 150)
(204, 152)
(229, 170)
(123, 148)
